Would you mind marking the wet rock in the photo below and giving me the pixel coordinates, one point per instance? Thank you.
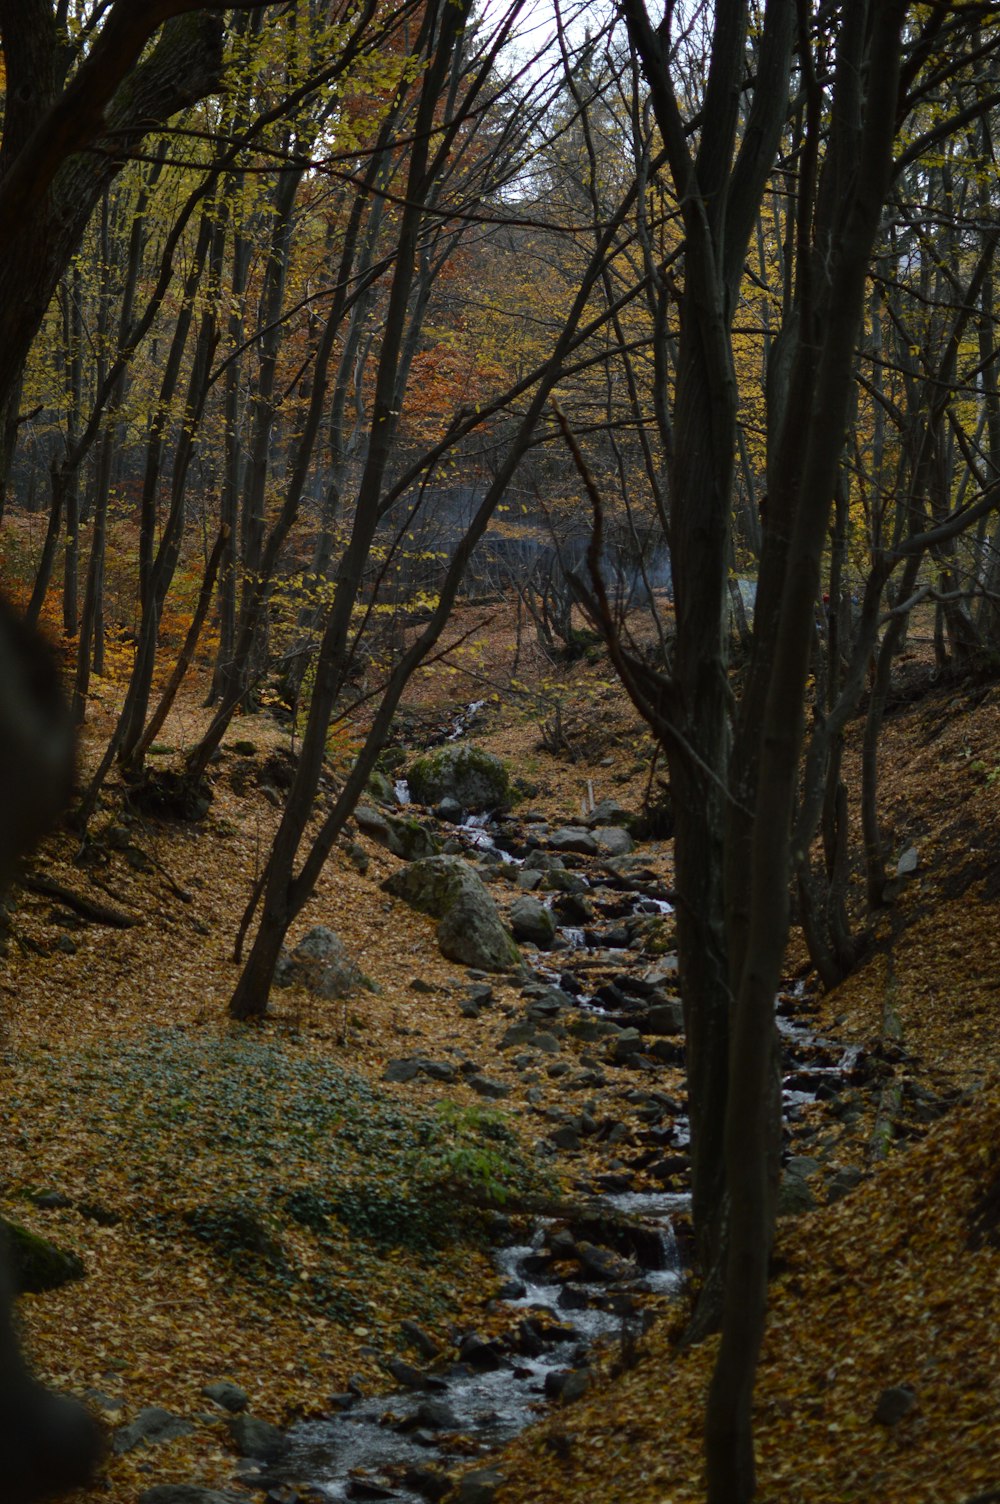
(404, 1373)
(450, 811)
(599, 1263)
(229, 1396)
(512, 1289)
(428, 1482)
(530, 920)
(472, 777)
(484, 1357)
(258, 1439)
(150, 1427)
(435, 1415)
(470, 930)
(188, 1493)
(566, 1387)
(895, 1404)
(321, 963)
(479, 1487)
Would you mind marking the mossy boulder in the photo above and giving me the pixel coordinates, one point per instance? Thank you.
(35, 1263)
(476, 779)
(470, 930)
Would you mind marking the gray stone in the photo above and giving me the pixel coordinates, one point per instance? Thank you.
(520, 1033)
(418, 1338)
(664, 1018)
(908, 862)
(320, 962)
(625, 1046)
(609, 812)
(36, 1264)
(150, 1427)
(436, 1415)
(188, 1493)
(258, 1439)
(531, 920)
(573, 838)
(485, 1086)
(483, 1356)
(842, 1182)
(540, 861)
(470, 930)
(528, 879)
(614, 840)
(558, 880)
(404, 836)
(230, 1396)
(895, 1404)
(474, 778)
(402, 1071)
(566, 1387)
(480, 1486)
(450, 810)
(795, 1194)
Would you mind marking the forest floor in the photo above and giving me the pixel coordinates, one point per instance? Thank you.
(257, 1205)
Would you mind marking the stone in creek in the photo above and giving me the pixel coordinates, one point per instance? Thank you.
(479, 1486)
(188, 1493)
(431, 1415)
(258, 1439)
(614, 840)
(483, 1356)
(528, 880)
(572, 909)
(573, 838)
(530, 920)
(566, 1387)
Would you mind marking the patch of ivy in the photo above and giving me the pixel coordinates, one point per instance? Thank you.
(237, 1231)
(309, 1209)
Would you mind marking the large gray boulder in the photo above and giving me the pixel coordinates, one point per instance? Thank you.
(470, 930)
(321, 963)
(474, 778)
(404, 837)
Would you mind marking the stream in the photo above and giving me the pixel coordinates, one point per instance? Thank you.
(586, 1279)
